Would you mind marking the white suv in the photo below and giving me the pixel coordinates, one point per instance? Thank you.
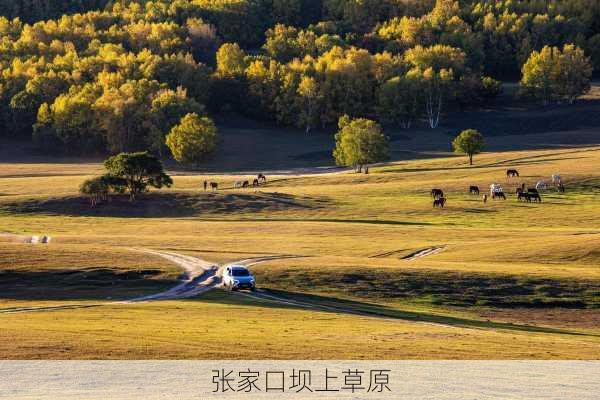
(237, 277)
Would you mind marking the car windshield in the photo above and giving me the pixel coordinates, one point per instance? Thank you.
(240, 272)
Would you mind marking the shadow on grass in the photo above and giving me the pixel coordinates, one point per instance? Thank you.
(165, 205)
(442, 288)
(91, 284)
(287, 299)
(480, 211)
(327, 220)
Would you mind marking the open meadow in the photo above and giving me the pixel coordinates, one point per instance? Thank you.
(388, 276)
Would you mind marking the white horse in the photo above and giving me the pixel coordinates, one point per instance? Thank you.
(541, 185)
(495, 188)
(556, 180)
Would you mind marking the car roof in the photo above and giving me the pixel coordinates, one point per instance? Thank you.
(238, 267)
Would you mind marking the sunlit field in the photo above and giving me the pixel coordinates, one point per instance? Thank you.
(509, 279)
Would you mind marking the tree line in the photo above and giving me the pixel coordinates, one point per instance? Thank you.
(120, 76)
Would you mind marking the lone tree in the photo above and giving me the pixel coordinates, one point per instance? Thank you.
(469, 142)
(193, 139)
(137, 172)
(359, 142)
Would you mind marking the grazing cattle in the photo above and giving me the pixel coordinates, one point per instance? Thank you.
(541, 185)
(262, 178)
(498, 195)
(255, 183)
(214, 186)
(519, 191)
(238, 184)
(512, 172)
(437, 193)
(439, 202)
(561, 188)
(535, 197)
(245, 184)
(474, 190)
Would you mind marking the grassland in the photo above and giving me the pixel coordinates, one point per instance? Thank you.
(514, 280)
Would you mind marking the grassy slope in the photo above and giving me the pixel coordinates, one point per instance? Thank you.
(342, 223)
(214, 325)
(79, 272)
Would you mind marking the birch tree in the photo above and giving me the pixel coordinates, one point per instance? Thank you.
(436, 68)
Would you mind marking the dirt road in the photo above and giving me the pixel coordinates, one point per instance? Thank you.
(199, 277)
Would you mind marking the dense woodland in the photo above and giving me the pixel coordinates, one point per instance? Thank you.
(94, 76)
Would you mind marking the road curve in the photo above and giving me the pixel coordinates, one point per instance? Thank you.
(199, 277)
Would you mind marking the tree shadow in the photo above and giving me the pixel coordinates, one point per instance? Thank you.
(167, 205)
(79, 285)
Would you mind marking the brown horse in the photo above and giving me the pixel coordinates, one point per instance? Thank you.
(214, 186)
(523, 196)
(535, 197)
(441, 202)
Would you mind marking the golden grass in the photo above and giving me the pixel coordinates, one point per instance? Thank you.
(69, 272)
(338, 221)
(219, 326)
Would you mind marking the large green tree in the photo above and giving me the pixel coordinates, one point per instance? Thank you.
(138, 171)
(359, 142)
(469, 142)
(193, 139)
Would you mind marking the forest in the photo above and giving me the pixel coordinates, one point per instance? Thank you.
(102, 77)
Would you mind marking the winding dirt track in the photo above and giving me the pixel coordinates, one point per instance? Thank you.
(199, 277)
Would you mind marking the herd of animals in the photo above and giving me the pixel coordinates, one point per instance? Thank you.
(531, 194)
(260, 179)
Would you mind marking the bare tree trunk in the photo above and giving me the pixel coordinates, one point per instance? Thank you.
(308, 117)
